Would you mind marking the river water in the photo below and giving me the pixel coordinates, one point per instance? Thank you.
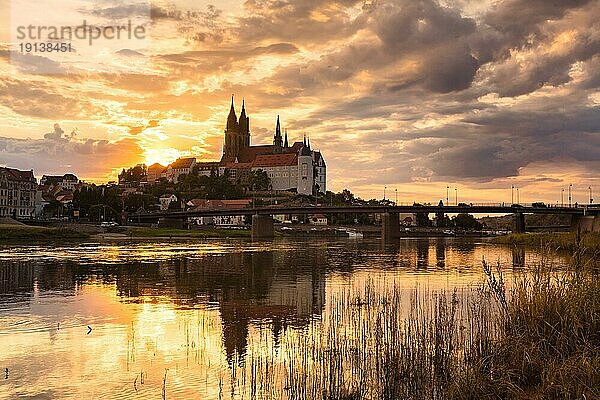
(181, 319)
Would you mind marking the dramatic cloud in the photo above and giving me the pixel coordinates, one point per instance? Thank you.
(57, 153)
(414, 93)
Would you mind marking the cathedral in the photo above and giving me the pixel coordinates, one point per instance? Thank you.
(293, 167)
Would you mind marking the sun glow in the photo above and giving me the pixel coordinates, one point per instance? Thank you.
(164, 156)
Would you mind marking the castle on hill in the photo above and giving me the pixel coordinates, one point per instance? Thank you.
(296, 168)
(293, 167)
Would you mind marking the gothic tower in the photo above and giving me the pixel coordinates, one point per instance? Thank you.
(237, 134)
(244, 127)
(278, 139)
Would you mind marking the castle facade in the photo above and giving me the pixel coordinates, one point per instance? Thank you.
(294, 167)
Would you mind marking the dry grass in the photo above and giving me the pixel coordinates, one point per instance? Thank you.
(539, 339)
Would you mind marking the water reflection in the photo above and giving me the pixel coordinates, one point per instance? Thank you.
(190, 308)
(440, 252)
(518, 256)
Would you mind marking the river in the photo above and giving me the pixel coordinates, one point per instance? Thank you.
(182, 319)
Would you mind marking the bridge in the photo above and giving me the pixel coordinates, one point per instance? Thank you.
(583, 217)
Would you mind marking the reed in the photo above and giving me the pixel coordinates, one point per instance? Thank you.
(538, 339)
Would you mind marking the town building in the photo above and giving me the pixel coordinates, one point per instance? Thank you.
(155, 172)
(166, 200)
(223, 220)
(17, 193)
(318, 219)
(64, 182)
(182, 166)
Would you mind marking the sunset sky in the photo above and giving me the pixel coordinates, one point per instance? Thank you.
(412, 95)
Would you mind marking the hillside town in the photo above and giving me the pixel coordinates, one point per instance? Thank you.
(246, 175)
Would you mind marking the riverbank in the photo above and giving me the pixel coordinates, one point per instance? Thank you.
(24, 233)
(563, 241)
(185, 233)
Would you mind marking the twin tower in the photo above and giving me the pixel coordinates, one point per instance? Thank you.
(237, 134)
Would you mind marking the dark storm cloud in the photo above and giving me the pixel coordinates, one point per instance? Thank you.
(575, 40)
(435, 37)
(517, 19)
(591, 70)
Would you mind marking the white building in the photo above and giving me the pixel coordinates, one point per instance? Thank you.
(65, 182)
(182, 166)
(166, 200)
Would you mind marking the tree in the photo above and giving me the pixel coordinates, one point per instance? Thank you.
(467, 222)
(260, 180)
(133, 175)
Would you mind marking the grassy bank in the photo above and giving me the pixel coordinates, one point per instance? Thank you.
(22, 233)
(538, 340)
(564, 241)
(184, 233)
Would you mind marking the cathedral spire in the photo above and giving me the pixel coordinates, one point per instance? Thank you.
(285, 141)
(278, 140)
(232, 118)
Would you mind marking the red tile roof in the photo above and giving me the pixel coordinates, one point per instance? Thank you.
(17, 175)
(157, 167)
(249, 154)
(276, 160)
(183, 163)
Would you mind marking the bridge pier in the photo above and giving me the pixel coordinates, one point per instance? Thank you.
(390, 226)
(585, 223)
(262, 227)
(519, 226)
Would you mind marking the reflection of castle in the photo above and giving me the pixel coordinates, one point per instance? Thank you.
(248, 286)
(296, 167)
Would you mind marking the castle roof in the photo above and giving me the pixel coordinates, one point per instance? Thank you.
(249, 154)
(276, 160)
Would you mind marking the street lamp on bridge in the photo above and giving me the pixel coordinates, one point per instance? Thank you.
(396, 202)
(512, 194)
(456, 196)
(570, 186)
(591, 199)
(385, 187)
(562, 195)
(447, 195)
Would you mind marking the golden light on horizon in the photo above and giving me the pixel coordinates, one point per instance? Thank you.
(163, 156)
